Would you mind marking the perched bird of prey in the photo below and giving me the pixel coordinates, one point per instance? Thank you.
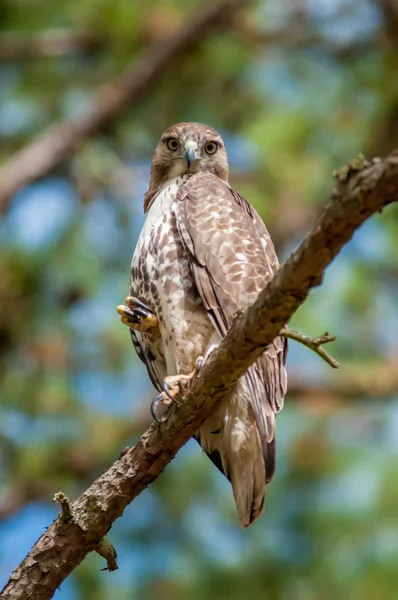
(204, 254)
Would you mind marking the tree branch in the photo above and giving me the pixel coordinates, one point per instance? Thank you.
(59, 41)
(353, 383)
(355, 198)
(48, 43)
(314, 344)
(59, 141)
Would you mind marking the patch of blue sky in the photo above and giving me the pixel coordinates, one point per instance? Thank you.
(362, 427)
(273, 76)
(98, 313)
(391, 430)
(286, 81)
(134, 561)
(10, 76)
(327, 297)
(20, 532)
(67, 591)
(221, 542)
(279, 540)
(242, 153)
(294, 547)
(306, 76)
(16, 116)
(111, 394)
(40, 214)
(134, 558)
(144, 561)
(139, 514)
(77, 102)
(135, 202)
(371, 242)
(25, 430)
(343, 21)
(384, 324)
(354, 492)
(310, 366)
(101, 228)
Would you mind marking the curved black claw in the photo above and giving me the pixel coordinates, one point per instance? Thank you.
(134, 303)
(169, 393)
(165, 401)
(136, 315)
(154, 406)
(199, 364)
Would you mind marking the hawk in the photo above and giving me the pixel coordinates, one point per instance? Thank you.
(203, 255)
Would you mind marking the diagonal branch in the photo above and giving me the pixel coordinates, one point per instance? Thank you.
(357, 195)
(61, 140)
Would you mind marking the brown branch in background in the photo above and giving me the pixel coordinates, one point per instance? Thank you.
(385, 134)
(389, 10)
(48, 43)
(58, 41)
(349, 384)
(296, 37)
(59, 141)
(356, 197)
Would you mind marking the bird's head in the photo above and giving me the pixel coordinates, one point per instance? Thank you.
(187, 148)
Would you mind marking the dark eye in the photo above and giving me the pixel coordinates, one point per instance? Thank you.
(211, 147)
(172, 144)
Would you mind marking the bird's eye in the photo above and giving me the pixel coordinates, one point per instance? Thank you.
(211, 147)
(172, 144)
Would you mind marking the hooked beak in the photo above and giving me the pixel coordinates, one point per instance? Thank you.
(190, 156)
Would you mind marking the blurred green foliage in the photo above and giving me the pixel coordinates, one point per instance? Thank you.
(296, 89)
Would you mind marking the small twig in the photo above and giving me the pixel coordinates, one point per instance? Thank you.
(104, 548)
(66, 509)
(313, 343)
(107, 551)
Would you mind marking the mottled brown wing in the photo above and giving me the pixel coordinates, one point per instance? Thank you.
(233, 259)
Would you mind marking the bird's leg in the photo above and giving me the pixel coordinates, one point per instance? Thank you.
(137, 315)
(174, 387)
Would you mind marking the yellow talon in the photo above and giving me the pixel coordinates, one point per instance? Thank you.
(120, 309)
(151, 321)
(136, 315)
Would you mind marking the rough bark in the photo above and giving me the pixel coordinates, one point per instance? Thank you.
(61, 140)
(63, 546)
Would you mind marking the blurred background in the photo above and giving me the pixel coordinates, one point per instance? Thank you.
(296, 89)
